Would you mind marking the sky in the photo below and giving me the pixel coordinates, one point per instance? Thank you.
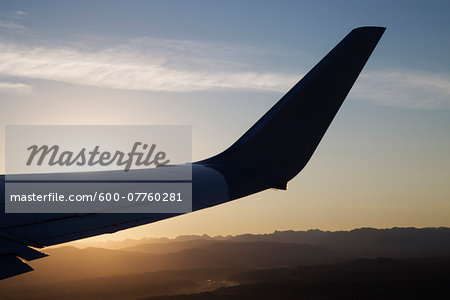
(219, 66)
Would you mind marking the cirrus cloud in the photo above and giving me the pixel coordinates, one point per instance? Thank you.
(15, 88)
(186, 66)
(406, 89)
(125, 70)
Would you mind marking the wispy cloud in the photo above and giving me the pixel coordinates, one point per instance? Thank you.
(17, 14)
(15, 88)
(406, 89)
(184, 66)
(124, 69)
(10, 25)
(9, 21)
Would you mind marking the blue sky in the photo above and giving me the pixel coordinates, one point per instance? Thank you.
(219, 65)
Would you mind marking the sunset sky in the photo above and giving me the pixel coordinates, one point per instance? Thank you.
(220, 65)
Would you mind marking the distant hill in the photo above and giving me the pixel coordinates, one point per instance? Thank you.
(172, 246)
(365, 242)
(368, 241)
(128, 243)
(70, 263)
(245, 259)
(114, 245)
(279, 249)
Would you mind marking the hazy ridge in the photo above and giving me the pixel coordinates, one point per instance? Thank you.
(190, 264)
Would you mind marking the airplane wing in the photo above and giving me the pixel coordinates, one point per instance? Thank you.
(273, 151)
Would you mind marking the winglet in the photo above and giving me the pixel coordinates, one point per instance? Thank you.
(279, 145)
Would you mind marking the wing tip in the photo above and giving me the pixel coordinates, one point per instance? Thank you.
(375, 29)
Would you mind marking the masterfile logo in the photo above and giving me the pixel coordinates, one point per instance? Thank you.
(76, 148)
(91, 158)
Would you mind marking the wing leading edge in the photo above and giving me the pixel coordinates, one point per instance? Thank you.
(290, 132)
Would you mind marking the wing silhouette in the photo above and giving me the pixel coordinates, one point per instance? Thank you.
(268, 155)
